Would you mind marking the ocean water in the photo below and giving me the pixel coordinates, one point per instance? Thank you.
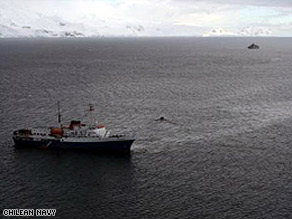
(225, 150)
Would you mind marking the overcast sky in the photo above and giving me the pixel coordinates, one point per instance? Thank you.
(232, 15)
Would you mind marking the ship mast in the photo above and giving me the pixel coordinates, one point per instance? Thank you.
(91, 109)
(59, 113)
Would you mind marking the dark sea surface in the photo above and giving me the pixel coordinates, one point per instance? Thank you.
(225, 150)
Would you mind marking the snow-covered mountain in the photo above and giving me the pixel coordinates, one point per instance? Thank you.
(255, 31)
(219, 32)
(22, 22)
(18, 20)
(55, 28)
(250, 31)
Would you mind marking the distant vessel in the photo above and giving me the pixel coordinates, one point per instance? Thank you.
(253, 46)
(76, 136)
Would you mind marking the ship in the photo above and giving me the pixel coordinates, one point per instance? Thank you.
(93, 137)
(253, 46)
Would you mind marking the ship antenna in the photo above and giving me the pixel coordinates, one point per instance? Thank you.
(59, 113)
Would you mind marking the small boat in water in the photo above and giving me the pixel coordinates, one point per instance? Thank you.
(253, 46)
(76, 136)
